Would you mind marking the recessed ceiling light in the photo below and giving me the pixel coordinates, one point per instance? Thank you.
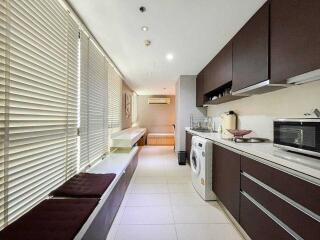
(144, 28)
(169, 56)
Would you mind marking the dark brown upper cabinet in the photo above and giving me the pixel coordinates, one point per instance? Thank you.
(219, 71)
(199, 89)
(294, 38)
(251, 51)
(226, 178)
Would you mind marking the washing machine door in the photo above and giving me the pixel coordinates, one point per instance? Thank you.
(195, 161)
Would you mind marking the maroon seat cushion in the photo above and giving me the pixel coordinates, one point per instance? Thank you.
(85, 185)
(52, 219)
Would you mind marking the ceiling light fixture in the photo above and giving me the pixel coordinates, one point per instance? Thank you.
(169, 56)
(144, 28)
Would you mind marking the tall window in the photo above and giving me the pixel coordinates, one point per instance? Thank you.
(114, 101)
(38, 95)
(44, 70)
(93, 103)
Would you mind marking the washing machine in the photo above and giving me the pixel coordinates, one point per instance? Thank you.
(201, 167)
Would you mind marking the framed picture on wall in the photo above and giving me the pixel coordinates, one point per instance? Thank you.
(128, 100)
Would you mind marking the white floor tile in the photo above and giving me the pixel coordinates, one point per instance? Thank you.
(187, 199)
(161, 204)
(146, 232)
(149, 188)
(119, 215)
(207, 232)
(178, 172)
(182, 179)
(199, 214)
(180, 188)
(147, 215)
(112, 232)
(151, 173)
(147, 200)
(148, 180)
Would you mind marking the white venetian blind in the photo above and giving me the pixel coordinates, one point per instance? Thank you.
(3, 89)
(114, 99)
(93, 103)
(84, 97)
(41, 101)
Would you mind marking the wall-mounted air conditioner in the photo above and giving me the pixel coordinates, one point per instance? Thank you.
(159, 100)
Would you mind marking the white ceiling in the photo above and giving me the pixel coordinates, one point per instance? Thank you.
(192, 30)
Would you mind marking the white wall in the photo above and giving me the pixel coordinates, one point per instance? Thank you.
(257, 112)
(185, 106)
(157, 118)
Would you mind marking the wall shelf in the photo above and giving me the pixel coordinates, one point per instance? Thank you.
(223, 99)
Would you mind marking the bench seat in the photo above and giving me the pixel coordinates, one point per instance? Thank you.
(52, 219)
(85, 185)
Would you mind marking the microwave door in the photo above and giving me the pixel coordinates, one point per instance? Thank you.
(291, 135)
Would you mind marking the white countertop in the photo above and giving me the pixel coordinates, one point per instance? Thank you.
(303, 164)
(128, 137)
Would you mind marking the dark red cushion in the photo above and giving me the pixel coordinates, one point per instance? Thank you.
(52, 219)
(85, 185)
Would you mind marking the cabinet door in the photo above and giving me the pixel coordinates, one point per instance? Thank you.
(199, 90)
(298, 220)
(219, 71)
(251, 51)
(305, 193)
(188, 146)
(294, 38)
(226, 178)
(257, 224)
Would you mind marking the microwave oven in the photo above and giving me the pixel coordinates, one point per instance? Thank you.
(298, 135)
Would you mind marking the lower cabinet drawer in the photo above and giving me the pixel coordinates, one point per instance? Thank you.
(305, 193)
(257, 224)
(304, 225)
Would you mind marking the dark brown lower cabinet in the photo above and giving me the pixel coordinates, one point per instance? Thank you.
(188, 146)
(257, 224)
(305, 193)
(296, 219)
(268, 203)
(226, 178)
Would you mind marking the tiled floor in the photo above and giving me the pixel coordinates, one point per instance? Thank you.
(161, 204)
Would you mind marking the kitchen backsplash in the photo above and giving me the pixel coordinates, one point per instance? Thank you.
(257, 112)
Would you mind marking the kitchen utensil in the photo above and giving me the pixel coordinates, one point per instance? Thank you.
(237, 133)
